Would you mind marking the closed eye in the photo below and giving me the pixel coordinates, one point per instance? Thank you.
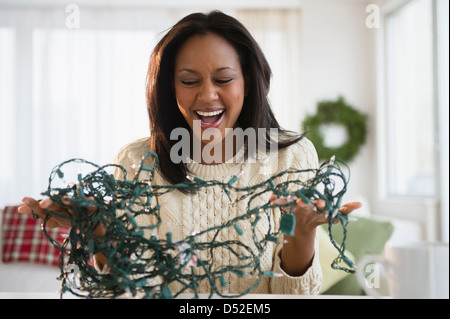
(189, 83)
(223, 81)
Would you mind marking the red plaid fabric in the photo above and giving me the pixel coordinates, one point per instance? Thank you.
(24, 241)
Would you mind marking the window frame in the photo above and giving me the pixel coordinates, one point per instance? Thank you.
(431, 213)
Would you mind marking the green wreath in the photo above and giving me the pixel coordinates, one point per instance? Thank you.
(340, 113)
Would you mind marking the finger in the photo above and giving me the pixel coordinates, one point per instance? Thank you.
(49, 205)
(51, 223)
(350, 207)
(315, 205)
(91, 208)
(24, 209)
(31, 203)
(71, 209)
(301, 203)
(58, 214)
(279, 201)
(66, 201)
(320, 204)
(31, 207)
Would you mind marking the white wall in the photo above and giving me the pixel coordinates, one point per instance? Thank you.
(338, 59)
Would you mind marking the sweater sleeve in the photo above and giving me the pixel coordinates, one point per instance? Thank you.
(301, 156)
(307, 284)
(121, 159)
(126, 158)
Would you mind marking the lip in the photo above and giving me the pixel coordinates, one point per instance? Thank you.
(216, 124)
(210, 109)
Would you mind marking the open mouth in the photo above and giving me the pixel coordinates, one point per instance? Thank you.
(210, 118)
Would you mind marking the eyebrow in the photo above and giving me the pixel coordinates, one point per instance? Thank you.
(216, 70)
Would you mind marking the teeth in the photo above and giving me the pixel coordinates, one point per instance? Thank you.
(209, 113)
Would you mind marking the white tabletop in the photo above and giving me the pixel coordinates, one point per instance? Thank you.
(50, 295)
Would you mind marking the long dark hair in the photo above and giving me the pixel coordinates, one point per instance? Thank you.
(161, 102)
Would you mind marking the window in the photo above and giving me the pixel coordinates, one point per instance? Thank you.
(414, 122)
(7, 60)
(410, 116)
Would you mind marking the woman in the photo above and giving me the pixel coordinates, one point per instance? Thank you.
(209, 77)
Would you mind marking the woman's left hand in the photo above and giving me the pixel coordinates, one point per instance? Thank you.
(307, 218)
(298, 251)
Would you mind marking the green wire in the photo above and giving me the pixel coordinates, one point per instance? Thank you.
(141, 266)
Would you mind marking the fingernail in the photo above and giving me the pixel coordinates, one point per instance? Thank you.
(45, 203)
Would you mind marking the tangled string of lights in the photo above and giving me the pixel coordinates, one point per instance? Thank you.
(146, 266)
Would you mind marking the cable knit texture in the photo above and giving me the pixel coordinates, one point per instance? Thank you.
(185, 214)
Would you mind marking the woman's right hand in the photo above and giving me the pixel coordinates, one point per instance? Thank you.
(39, 209)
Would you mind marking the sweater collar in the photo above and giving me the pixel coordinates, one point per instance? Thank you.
(208, 172)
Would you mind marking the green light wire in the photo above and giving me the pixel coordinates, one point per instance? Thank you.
(145, 266)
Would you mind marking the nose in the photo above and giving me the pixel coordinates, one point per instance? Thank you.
(207, 92)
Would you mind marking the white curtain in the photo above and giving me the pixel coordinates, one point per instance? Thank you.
(70, 92)
(278, 33)
(80, 92)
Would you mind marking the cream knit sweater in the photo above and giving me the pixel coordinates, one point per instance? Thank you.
(185, 214)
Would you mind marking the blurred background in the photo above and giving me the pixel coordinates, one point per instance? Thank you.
(72, 84)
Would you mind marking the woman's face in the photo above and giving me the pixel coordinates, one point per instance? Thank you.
(208, 82)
